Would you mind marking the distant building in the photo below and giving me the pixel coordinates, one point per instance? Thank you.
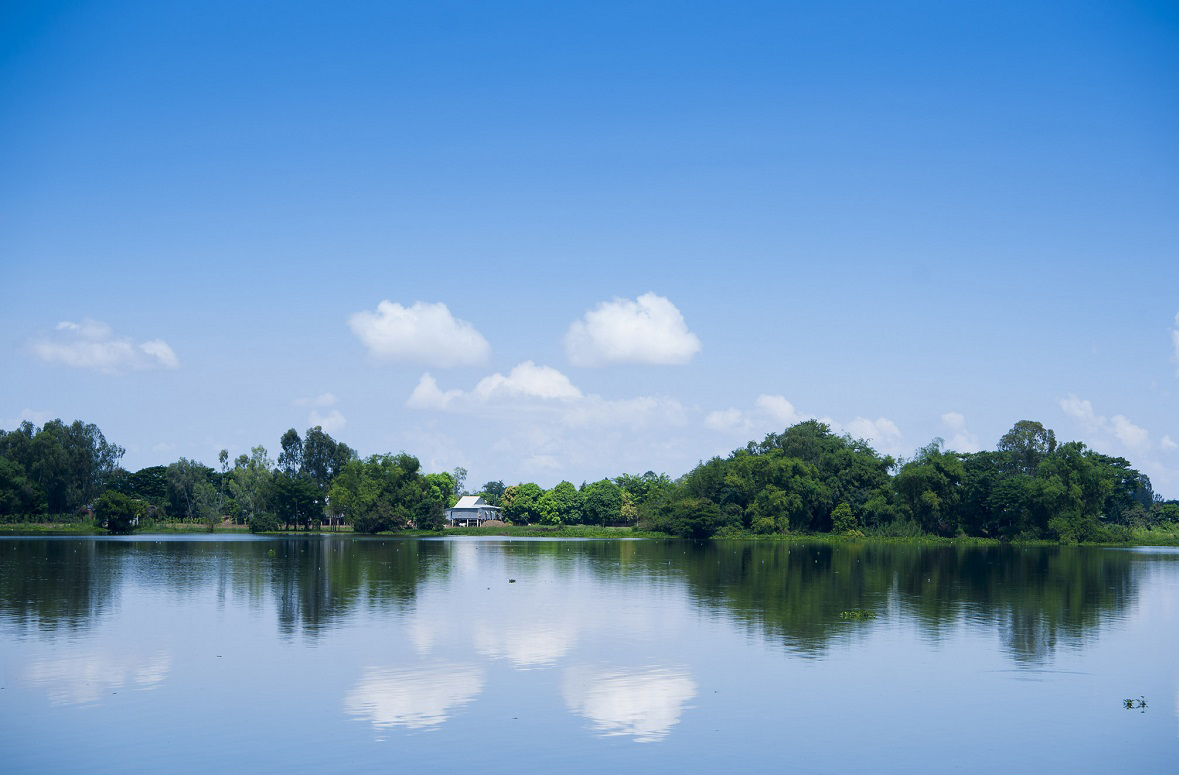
(472, 511)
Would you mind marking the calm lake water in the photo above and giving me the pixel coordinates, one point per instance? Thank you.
(190, 654)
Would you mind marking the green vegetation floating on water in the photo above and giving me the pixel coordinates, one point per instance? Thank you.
(805, 481)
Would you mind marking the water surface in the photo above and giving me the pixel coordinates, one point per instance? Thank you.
(189, 654)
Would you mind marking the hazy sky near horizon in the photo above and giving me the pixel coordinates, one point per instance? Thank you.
(550, 241)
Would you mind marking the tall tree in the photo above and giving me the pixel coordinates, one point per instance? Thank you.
(1027, 444)
(290, 459)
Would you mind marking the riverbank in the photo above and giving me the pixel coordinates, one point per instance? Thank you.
(1160, 535)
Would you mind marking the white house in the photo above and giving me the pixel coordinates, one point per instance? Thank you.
(472, 511)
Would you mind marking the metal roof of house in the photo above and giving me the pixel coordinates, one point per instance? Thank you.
(470, 502)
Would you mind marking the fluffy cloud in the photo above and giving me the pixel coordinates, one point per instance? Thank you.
(882, 432)
(426, 333)
(527, 381)
(961, 440)
(530, 389)
(768, 413)
(649, 329)
(1131, 436)
(1168, 444)
(94, 345)
(771, 413)
(778, 409)
(332, 422)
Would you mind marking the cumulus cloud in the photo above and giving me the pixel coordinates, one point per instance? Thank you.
(425, 333)
(882, 432)
(772, 413)
(94, 345)
(533, 389)
(778, 409)
(332, 422)
(527, 380)
(1168, 444)
(1133, 437)
(1081, 410)
(427, 395)
(961, 439)
(649, 329)
(768, 413)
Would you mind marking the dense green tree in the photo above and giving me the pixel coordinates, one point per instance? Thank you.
(250, 483)
(388, 492)
(295, 499)
(290, 458)
(521, 503)
(67, 466)
(117, 512)
(560, 505)
(692, 518)
(322, 457)
(601, 503)
(187, 493)
(147, 484)
(18, 493)
(493, 492)
(929, 486)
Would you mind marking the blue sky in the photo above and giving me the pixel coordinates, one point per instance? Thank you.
(553, 241)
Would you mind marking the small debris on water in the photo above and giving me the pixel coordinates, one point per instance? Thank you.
(511, 581)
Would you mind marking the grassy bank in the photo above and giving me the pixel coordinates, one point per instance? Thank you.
(1159, 535)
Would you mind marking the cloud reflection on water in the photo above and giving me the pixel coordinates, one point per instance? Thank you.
(643, 703)
(420, 698)
(86, 678)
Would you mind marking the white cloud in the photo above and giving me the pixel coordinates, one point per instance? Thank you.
(527, 380)
(426, 333)
(1131, 436)
(882, 432)
(159, 349)
(729, 420)
(778, 409)
(773, 413)
(530, 389)
(93, 345)
(1118, 435)
(638, 412)
(35, 416)
(649, 329)
(1082, 411)
(332, 422)
(321, 400)
(961, 440)
(768, 413)
(427, 395)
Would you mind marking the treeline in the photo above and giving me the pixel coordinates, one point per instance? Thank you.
(806, 479)
(64, 471)
(810, 479)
